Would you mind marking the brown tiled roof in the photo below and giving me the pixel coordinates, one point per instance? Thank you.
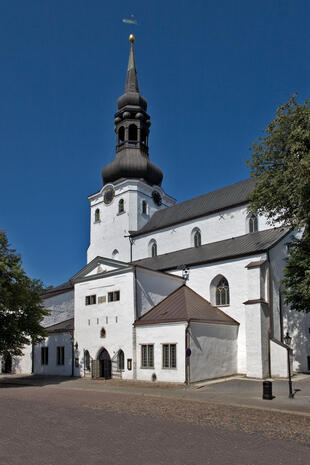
(184, 304)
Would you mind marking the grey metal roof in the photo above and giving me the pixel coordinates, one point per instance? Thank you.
(248, 244)
(62, 288)
(220, 199)
(184, 304)
(62, 327)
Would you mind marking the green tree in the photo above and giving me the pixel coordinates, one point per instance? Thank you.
(281, 165)
(21, 309)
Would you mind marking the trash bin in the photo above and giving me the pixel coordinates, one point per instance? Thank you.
(267, 390)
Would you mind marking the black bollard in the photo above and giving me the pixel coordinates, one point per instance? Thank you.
(267, 390)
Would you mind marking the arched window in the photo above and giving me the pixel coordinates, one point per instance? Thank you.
(121, 206)
(121, 135)
(97, 215)
(133, 133)
(120, 360)
(144, 207)
(154, 249)
(219, 291)
(197, 239)
(253, 224)
(102, 333)
(86, 360)
(222, 292)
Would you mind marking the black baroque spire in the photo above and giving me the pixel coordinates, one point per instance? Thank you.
(132, 127)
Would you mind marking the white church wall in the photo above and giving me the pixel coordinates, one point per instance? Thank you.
(215, 227)
(115, 317)
(159, 334)
(278, 359)
(61, 308)
(236, 273)
(256, 341)
(214, 351)
(107, 234)
(153, 287)
(52, 368)
(297, 323)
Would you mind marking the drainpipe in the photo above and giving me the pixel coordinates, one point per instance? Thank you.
(187, 358)
(134, 338)
(270, 312)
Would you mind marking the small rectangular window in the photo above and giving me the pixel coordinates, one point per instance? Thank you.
(147, 356)
(169, 356)
(90, 299)
(60, 355)
(113, 296)
(308, 362)
(44, 355)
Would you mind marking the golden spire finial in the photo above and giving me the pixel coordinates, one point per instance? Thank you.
(132, 38)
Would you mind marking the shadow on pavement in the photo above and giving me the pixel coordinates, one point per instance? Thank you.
(9, 381)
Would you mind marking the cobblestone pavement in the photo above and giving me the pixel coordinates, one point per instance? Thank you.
(49, 426)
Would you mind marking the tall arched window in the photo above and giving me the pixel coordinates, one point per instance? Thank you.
(197, 239)
(121, 206)
(86, 360)
(121, 135)
(133, 133)
(153, 248)
(222, 292)
(120, 360)
(97, 215)
(253, 224)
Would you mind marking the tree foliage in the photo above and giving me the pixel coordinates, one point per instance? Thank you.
(21, 309)
(281, 164)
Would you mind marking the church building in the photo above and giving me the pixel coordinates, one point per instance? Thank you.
(174, 292)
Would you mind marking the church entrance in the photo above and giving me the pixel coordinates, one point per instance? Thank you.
(105, 365)
(6, 364)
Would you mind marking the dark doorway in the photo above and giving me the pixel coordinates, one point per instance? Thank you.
(7, 364)
(105, 364)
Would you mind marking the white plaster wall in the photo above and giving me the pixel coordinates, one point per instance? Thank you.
(297, 323)
(116, 317)
(23, 364)
(236, 273)
(216, 227)
(172, 333)
(52, 342)
(108, 234)
(153, 287)
(61, 308)
(214, 351)
(257, 325)
(278, 359)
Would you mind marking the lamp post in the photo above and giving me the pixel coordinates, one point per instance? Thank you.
(288, 340)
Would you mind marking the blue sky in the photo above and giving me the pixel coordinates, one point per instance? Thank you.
(213, 72)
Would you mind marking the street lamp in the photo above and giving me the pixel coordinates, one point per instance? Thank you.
(288, 340)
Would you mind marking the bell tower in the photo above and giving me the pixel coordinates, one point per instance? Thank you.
(131, 190)
(132, 129)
